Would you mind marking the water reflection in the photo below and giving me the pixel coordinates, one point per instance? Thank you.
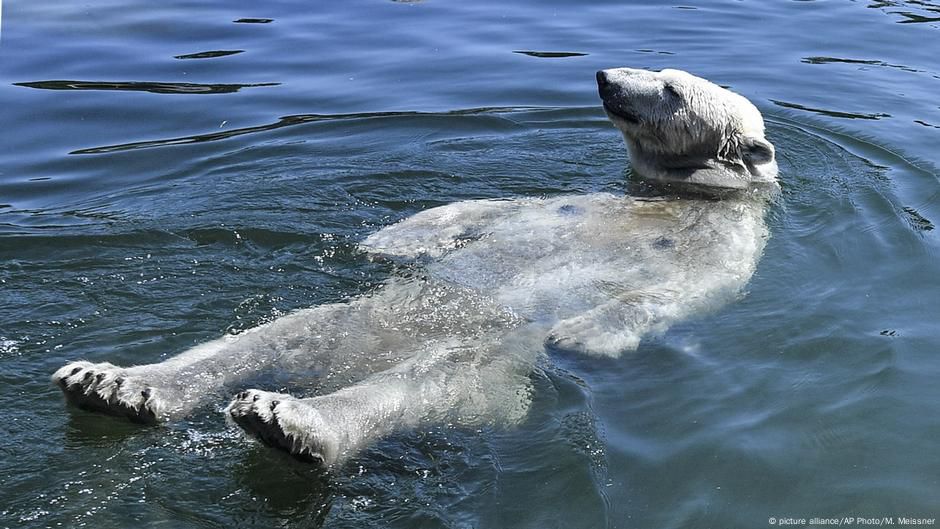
(293, 492)
(86, 429)
(143, 86)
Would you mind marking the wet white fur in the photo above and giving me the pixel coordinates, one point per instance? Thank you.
(488, 287)
(688, 129)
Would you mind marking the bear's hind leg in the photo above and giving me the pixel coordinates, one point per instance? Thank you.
(459, 382)
(172, 388)
(325, 430)
(328, 429)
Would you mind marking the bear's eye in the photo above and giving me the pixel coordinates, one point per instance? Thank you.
(671, 90)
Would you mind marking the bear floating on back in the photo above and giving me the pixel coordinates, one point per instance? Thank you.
(500, 283)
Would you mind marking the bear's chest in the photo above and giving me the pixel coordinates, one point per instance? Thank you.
(571, 253)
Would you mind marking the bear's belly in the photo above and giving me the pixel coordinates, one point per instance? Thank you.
(552, 259)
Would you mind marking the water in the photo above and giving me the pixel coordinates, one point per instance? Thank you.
(173, 171)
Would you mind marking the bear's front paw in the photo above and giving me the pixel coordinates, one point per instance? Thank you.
(285, 423)
(575, 335)
(566, 343)
(587, 336)
(108, 389)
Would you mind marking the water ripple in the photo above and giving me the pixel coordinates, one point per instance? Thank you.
(286, 121)
(143, 86)
(209, 54)
(550, 54)
(867, 62)
(831, 113)
(914, 18)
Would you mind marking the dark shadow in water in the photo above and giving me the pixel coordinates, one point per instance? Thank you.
(294, 492)
(646, 50)
(914, 18)
(286, 121)
(143, 86)
(550, 54)
(829, 60)
(209, 54)
(831, 113)
(909, 17)
(917, 221)
(88, 429)
(253, 21)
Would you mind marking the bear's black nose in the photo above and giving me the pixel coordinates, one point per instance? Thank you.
(601, 78)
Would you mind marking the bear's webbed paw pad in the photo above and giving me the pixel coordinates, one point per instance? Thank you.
(106, 388)
(278, 421)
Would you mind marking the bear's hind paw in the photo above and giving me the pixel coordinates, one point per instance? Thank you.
(282, 422)
(106, 388)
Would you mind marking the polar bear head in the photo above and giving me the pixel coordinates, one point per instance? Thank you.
(680, 128)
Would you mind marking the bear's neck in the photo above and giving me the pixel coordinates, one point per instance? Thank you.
(688, 176)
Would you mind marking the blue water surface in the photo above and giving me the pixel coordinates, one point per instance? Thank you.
(173, 171)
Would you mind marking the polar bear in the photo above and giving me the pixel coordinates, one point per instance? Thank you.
(486, 288)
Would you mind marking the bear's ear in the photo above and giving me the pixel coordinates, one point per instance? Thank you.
(757, 151)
